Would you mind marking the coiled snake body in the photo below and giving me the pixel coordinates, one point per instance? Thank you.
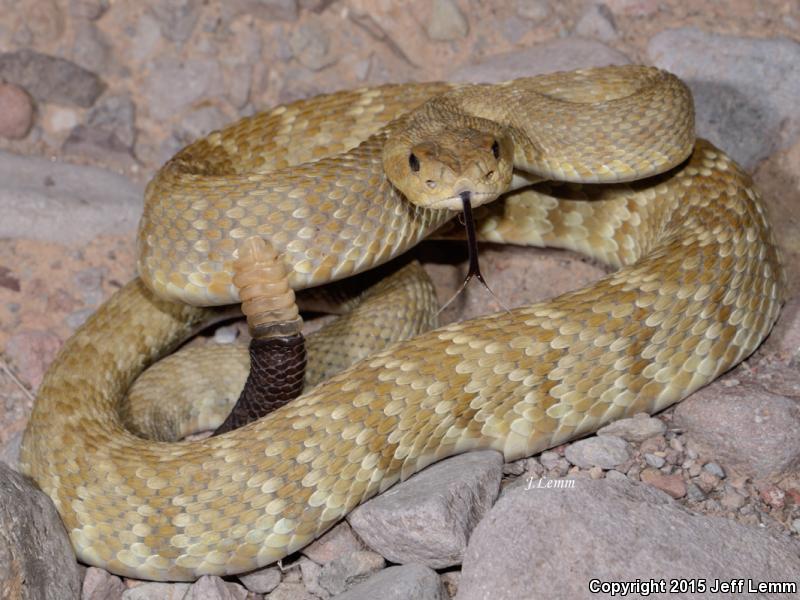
(698, 288)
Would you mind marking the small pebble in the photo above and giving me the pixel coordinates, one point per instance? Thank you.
(796, 525)
(732, 500)
(654, 461)
(671, 484)
(549, 459)
(695, 493)
(605, 451)
(714, 469)
(16, 112)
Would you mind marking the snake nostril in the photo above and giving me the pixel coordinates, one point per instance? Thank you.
(430, 183)
(489, 175)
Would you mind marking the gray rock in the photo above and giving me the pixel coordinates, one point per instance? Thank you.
(171, 85)
(316, 6)
(9, 452)
(535, 10)
(269, 10)
(88, 9)
(157, 591)
(262, 581)
(597, 22)
(446, 23)
(91, 50)
(745, 89)
(754, 431)
(349, 570)
(51, 79)
(146, 37)
(408, 582)
(311, 573)
(291, 591)
(654, 461)
(338, 541)
(210, 587)
(635, 429)
(610, 530)
(110, 130)
(605, 451)
(557, 55)
(714, 469)
(16, 112)
(311, 45)
(177, 18)
(200, 122)
(36, 558)
(99, 584)
(428, 519)
(63, 203)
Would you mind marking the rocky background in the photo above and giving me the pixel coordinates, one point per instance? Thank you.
(96, 94)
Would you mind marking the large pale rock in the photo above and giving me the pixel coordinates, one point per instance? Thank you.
(59, 202)
(745, 90)
(744, 426)
(428, 519)
(550, 543)
(36, 558)
(408, 582)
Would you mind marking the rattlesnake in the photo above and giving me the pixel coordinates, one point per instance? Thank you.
(698, 288)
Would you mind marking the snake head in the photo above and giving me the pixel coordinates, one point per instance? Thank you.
(434, 165)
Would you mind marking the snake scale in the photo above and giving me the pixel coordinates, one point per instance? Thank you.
(699, 285)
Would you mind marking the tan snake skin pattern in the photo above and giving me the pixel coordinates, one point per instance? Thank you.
(699, 288)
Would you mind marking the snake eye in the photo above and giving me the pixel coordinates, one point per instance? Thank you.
(413, 162)
(496, 149)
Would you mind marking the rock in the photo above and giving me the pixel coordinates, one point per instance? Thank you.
(635, 429)
(110, 130)
(597, 22)
(36, 558)
(714, 469)
(42, 23)
(654, 460)
(57, 120)
(146, 38)
(176, 19)
(200, 122)
(16, 112)
(671, 484)
(210, 587)
(407, 582)
(610, 530)
(446, 23)
(63, 203)
(311, 573)
(88, 9)
(262, 581)
(729, 76)
(450, 580)
(171, 84)
(31, 352)
(754, 431)
(556, 55)
(99, 584)
(51, 79)
(291, 591)
(268, 10)
(351, 569)
(337, 542)
(634, 8)
(311, 45)
(535, 10)
(91, 50)
(428, 519)
(602, 451)
(9, 452)
(316, 6)
(157, 591)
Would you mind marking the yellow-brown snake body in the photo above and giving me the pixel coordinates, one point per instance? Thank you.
(698, 288)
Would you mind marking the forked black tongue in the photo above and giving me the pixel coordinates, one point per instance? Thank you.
(472, 247)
